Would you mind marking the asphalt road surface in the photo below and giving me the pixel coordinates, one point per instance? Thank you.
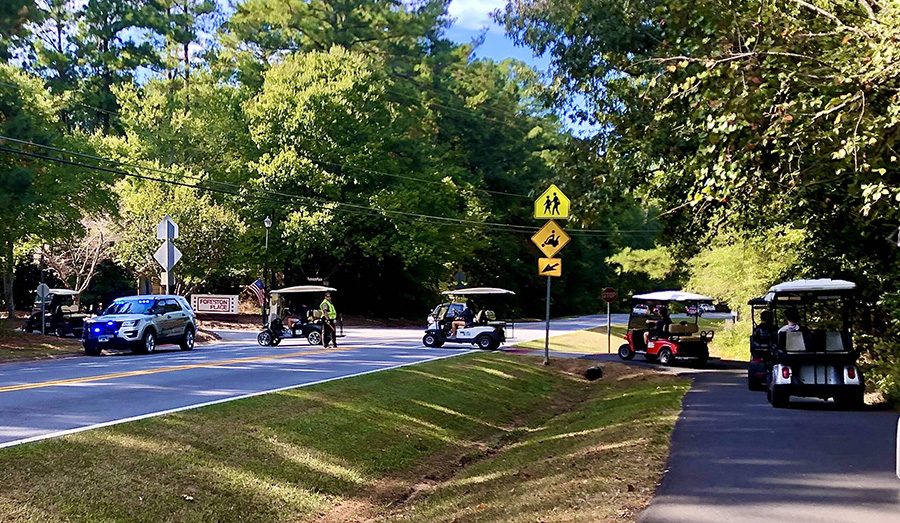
(44, 399)
(736, 458)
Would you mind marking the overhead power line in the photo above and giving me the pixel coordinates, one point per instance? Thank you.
(280, 197)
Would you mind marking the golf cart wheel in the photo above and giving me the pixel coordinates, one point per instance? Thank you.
(432, 340)
(755, 385)
(276, 340)
(702, 360)
(264, 338)
(485, 342)
(665, 357)
(778, 398)
(625, 352)
(60, 332)
(187, 341)
(314, 338)
(851, 401)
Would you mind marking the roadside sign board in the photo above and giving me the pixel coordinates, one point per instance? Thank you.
(215, 303)
(167, 256)
(43, 291)
(551, 204)
(167, 229)
(550, 267)
(609, 295)
(550, 239)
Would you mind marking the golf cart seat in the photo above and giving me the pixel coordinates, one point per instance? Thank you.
(315, 314)
(681, 330)
(792, 341)
(834, 342)
(479, 318)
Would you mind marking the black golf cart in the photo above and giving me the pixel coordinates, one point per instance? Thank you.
(815, 357)
(61, 314)
(762, 338)
(299, 304)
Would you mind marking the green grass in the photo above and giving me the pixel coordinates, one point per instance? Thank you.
(307, 454)
(598, 462)
(593, 341)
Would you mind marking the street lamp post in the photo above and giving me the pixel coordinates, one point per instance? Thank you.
(268, 224)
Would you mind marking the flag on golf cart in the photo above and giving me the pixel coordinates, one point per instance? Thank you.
(258, 288)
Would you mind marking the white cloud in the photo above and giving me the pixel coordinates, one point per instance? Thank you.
(474, 14)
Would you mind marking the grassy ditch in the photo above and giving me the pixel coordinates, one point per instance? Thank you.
(396, 444)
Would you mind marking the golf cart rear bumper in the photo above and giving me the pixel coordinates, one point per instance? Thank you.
(820, 391)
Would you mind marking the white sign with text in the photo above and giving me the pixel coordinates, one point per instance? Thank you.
(214, 303)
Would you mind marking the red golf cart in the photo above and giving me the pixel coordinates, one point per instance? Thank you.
(682, 340)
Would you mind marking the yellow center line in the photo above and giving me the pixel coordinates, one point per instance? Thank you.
(159, 370)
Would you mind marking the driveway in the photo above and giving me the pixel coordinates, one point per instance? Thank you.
(735, 458)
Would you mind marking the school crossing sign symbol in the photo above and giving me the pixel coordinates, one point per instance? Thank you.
(552, 204)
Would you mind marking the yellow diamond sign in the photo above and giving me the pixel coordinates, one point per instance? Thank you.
(550, 267)
(551, 204)
(550, 239)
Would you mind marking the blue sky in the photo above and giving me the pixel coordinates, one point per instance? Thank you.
(473, 16)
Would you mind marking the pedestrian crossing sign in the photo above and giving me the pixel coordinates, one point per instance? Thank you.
(552, 204)
(551, 239)
(550, 267)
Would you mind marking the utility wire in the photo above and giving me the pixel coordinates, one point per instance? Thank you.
(283, 195)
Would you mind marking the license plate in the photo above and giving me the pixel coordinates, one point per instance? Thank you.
(103, 339)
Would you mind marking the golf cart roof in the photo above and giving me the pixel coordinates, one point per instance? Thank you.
(677, 296)
(822, 284)
(475, 291)
(64, 292)
(299, 289)
(758, 301)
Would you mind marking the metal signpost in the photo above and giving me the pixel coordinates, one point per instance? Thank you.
(167, 255)
(43, 292)
(609, 295)
(550, 239)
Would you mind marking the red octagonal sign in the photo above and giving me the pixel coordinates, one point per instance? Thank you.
(609, 295)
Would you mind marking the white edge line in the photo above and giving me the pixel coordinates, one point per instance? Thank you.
(67, 432)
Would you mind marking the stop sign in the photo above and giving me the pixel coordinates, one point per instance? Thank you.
(609, 295)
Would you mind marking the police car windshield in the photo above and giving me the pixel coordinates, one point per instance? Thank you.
(129, 307)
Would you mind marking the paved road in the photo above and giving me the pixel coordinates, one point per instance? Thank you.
(736, 459)
(50, 398)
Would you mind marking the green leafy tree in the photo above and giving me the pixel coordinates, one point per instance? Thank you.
(112, 43)
(209, 232)
(14, 18)
(39, 199)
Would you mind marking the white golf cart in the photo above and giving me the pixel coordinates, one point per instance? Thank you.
(300, 303)
(815, 358)
(484, 331)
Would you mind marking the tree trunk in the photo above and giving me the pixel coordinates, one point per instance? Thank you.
(9, 267)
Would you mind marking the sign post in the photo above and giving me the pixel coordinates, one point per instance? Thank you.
(609, 295)
(167, 255)
(550, 239)
(43, 292)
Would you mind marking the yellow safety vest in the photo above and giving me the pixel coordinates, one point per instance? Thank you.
(328, 310)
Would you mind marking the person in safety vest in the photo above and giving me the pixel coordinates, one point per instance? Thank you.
(329, 315)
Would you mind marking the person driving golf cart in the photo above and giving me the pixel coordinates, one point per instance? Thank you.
(465, 318)
(658, 329)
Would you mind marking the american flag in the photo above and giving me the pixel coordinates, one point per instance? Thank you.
(259, 289)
